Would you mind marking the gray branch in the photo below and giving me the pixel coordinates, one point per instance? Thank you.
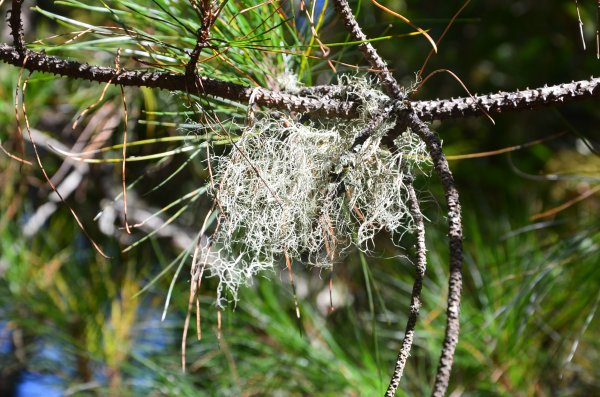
(369, 52)
(206, 86)
(426, 110)
(455, 237)
(507, 101)
(415, 297)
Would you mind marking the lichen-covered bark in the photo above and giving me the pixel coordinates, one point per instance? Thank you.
(457, 108)
(38, 61)
(307, 101)
(415, 300)
(455, 236)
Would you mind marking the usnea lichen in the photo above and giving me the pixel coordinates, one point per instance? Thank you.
(305, 189)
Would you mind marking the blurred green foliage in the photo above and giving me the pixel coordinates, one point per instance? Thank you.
(530, 323)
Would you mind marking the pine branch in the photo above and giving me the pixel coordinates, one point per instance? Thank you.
(501, 102)
(369, 52)
(409, 118)
(208, 17)
(415, 297)
(309, 100)
(455, 236)
(441, 109)
(39, 61)
(16, 25)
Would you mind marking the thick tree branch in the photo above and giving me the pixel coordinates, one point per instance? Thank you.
(507, 101)
(427, 110)
(39, 61)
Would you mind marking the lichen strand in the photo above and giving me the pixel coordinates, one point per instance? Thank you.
(304, 189)
(378, 189)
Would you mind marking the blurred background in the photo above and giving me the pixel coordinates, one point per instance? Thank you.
(75, 323)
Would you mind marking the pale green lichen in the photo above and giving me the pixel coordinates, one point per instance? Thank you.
(295, 188)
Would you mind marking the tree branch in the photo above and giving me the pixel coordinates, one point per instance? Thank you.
(39, 61)
(369, 52)
(415, 297)
(507, 101)
(408, 117)
(455, 236)
(427, 110)
(16, 25)
(443, 109)
(207, 19)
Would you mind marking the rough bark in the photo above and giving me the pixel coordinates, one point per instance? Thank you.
(455, 236)
(309, 102)
(38, 61)
(369, 52)
(415, 297)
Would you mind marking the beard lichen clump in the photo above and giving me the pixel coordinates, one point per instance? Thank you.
(304, 190)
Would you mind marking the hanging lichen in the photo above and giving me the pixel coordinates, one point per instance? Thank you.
(308, 191)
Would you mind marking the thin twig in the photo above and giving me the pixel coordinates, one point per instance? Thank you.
(451, 73)
(124, 151)
(580, 24)
(43, 169)
(415, 299)
(288, 264)
(371, 55)
(192, 296)
(597, 29)
(406, 20)
(208, 17)
(437, 43)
